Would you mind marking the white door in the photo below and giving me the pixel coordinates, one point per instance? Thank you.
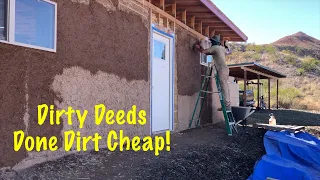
(161, 80)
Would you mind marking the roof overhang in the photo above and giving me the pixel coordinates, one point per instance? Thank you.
(226, 20)
(254, 70)
(203, 17)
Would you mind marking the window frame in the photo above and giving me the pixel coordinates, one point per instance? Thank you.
(5, 19)
(10, 29)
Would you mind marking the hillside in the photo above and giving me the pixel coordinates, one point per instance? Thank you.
(300, 90)
(299, 39)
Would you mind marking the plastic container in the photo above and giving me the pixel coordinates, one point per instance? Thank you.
(272, 120)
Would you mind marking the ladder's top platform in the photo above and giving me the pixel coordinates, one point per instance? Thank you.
(289, 128)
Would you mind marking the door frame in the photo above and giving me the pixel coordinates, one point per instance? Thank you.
(171, 69)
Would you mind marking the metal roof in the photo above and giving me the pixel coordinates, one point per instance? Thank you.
(253, 70)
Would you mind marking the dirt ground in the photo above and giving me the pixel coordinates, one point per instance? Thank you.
(311, 120)
(203, 153)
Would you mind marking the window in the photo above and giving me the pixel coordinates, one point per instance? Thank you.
(30, 23)
(204, 59)
(3, 22)
(159, 50)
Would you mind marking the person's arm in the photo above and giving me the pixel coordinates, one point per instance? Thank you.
(208, 51)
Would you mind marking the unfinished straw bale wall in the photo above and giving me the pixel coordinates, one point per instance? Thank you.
(102, 57)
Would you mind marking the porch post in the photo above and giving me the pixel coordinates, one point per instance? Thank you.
(277, 93)
(245, 89)
(269, 104)
(258, 106)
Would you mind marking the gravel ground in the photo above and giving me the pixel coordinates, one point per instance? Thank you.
(204, 153)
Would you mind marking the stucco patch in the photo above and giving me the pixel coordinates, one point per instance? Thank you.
(186, 105)
(82, 90)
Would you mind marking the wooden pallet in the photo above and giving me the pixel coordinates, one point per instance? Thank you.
(289, 128)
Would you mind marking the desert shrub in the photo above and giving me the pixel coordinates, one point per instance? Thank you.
(255, 48)
(247, 55)
(275, 57)
(300, 71)
(299, 51)
(290, 59)
(256, 56)
(270, 49)
(287, 52)
(310, 64)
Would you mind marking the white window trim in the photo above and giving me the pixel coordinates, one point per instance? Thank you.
(201, 54)
(11, 28)
(201, 57)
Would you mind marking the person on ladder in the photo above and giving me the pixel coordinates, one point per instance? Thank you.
(218, 54)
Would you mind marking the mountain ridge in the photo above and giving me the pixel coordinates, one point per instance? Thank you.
(299, 39)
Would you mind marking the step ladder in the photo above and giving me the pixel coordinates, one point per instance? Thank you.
(228, 116)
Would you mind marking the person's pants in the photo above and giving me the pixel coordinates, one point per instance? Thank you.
(224, 77)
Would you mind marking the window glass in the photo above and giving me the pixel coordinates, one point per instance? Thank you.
(206, 59)
(159, 50)
(35, 23)
(3, 19)
(209, 58)
(203, 59)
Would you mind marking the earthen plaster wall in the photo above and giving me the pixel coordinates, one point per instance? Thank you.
(102, 57)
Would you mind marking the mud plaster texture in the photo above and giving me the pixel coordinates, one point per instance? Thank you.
(93, 44)
(189, 81)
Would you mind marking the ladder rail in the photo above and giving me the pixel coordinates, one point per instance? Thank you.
(205, 96)
(202, 95)
(223, 106)
(198, 98)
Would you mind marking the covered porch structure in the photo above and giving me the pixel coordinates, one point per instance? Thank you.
(254, 71)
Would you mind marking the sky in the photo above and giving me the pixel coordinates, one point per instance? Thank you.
(265, 21)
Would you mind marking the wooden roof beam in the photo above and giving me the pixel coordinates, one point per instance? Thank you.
(184, 16)
(192, 22)
(162, 4)
(212, 33)
(172, 9)
(207, 31)
(258, 72)
(199, 27)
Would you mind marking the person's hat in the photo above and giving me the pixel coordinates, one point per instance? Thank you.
(216, 38)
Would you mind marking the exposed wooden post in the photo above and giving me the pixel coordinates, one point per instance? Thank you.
(162, 4)
(193, 21)
(212, 33)
(166, 22)
(245, 89)
(207, 31)
(258, 107)
(174, 9)
(199, 27)
(158, 18)
(184, 16)
(277, 93)
(269, 103)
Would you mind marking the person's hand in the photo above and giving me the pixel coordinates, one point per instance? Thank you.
(198, 46)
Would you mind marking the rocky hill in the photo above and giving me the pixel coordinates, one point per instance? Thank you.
(297, 56)
(299, 39)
